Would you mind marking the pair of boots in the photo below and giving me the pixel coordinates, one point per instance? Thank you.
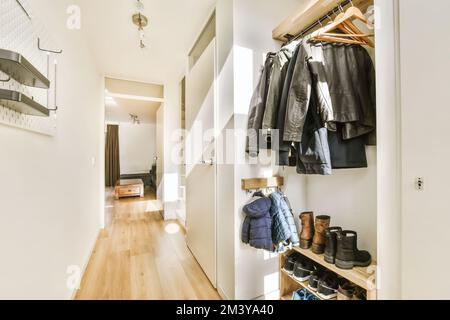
(341, 248)
(313, 234)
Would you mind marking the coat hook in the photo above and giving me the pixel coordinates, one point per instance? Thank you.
(46, 50)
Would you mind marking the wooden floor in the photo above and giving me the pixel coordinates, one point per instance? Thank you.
(141, 257)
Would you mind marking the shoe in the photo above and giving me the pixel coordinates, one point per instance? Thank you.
(346, 290)
(322, 223)
(360, 294)
(331, 244)
(307, 233)
(303, 295)
(303, 270)
(347, 253)
(290, 261)
(328, 286)
(314, 279)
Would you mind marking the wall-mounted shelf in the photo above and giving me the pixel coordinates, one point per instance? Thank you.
(304, 17)
(21, 70)
(262, 183)
(21, 103)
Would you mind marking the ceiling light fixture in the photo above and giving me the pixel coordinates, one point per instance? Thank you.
(135, 119)
(141, 21)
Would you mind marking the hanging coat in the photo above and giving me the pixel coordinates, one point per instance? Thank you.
(280, 200)
(281, 230)
(343, 77)
(257, 108)
(257, 226)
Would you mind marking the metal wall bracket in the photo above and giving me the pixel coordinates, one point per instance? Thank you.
(47, 50)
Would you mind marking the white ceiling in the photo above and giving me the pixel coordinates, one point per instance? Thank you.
(114, 40)
(118, 110)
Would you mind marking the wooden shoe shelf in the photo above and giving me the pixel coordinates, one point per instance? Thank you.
(362, 277)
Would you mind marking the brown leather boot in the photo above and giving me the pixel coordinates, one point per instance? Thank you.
(322, 224)
(306, 236)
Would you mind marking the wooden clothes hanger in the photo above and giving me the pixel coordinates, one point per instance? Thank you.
(344, 23)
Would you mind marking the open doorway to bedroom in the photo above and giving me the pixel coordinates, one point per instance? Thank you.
(131, 145)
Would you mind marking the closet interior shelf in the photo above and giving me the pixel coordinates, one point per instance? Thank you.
(307, 19)
(21, 103)
(262, 183)
(362, 277)
(21, 70)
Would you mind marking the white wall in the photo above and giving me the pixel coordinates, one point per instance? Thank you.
(172, 124)
(256, 271)
(225, 172)
(137, 147)
(350, 198)
(425, 97)
(389, 153)
(51, 204)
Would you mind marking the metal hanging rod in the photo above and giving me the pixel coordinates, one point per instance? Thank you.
(318, 22)
(47, 50)
(23, 9)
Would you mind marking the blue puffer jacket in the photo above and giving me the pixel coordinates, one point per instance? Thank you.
(257, 227)
(284, 227)
(281, 231)
(287, 210)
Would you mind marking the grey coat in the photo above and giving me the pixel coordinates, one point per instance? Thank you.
(344, 79)
(277, 81)
(258, 107)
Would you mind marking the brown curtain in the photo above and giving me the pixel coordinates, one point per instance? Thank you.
(112, 156)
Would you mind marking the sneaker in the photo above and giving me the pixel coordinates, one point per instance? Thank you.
(328, 286)
(314, 279)
(346, 290)
(303, 270)
(303, 295)
(360, 294)
(290, 261)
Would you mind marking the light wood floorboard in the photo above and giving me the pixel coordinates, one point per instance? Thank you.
(139, 256)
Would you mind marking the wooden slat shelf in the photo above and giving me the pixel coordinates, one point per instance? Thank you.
(262, 183)
(304, 17)
(362, 277)
(304, 285)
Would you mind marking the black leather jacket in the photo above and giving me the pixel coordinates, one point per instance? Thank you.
(343, 77)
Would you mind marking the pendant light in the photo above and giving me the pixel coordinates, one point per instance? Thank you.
(141, 21)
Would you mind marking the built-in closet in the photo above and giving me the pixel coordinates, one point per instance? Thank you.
(349, 196)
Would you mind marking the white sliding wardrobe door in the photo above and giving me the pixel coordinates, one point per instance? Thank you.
(200, 162)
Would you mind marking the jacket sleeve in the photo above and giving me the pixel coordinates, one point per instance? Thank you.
(246, 231)
(299, 98)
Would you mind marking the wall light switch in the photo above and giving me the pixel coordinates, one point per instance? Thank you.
(93, 161)
(420, 184)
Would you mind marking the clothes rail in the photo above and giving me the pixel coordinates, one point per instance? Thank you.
(319, 21)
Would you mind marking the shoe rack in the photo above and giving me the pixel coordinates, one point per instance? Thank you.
(364, 278)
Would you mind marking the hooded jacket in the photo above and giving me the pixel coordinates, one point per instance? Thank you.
(281, 231)
(257, 226)
(282, 210)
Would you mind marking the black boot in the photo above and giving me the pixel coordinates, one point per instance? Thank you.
(331, 244)
(348, 255)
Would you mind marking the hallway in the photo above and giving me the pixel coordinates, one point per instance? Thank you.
(140, 256)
